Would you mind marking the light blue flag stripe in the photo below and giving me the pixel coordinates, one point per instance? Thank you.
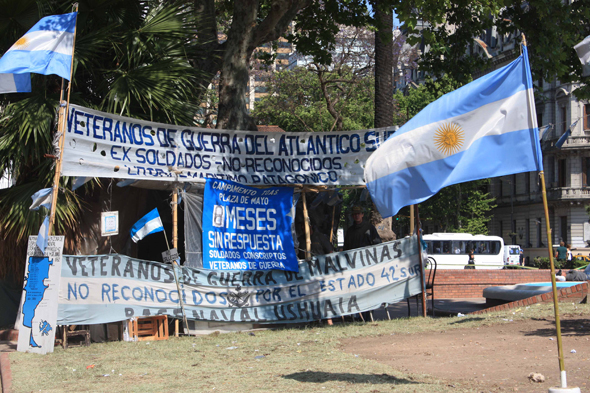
(38, 62)
(485, 129)
(63, 22)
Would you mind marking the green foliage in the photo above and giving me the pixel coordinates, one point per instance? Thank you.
(461, 207)
(295, 102)
(551, 28)
(130, 58)
(409, 104)
(545, 263)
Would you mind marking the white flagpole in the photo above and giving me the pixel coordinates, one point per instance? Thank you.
(61, 130)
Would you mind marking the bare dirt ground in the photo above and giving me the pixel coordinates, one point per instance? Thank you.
(492, 358)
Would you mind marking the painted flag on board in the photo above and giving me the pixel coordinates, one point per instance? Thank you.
(148, 224)
(566, 135)
(15, 83)
(43, 236)
(45, 49)
(583, 51)
(42, 198)
(484, 129)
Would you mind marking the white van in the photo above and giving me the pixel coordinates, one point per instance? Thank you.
(511, 255)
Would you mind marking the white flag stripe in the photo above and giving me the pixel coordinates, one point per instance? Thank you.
(44, 40)
(7, 83)
(490, 119)
(583, 50)
(149, 226)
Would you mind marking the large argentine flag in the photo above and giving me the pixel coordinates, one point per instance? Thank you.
(45, 49)
(486, 128)
(148, 224)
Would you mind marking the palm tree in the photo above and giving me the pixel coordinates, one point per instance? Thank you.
(131, 58)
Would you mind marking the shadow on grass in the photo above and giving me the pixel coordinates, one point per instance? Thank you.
(321, 376)
(578, 327)
(464, 320)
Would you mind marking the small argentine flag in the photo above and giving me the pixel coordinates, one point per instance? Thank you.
(148, 224)
(45, 49)
(486, 128)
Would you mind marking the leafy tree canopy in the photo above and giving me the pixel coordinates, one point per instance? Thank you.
(295, 102)
(447, 29)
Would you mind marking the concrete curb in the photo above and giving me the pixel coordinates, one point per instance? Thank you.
(5, 373)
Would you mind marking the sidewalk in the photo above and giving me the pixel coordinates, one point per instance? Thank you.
(442, 307)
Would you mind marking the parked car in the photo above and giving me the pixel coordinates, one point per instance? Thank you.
(512, 255)
(581, 257)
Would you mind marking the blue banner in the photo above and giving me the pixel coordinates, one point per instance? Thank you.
(247, 228)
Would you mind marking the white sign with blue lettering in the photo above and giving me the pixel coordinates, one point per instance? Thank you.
(246, 228)
(108, 288)
(100, 144)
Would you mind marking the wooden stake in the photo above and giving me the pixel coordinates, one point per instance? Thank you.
(332, 227)
(61, 130)
(307, 235)
(411, 220)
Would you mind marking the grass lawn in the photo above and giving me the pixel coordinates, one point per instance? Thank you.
(297, 360)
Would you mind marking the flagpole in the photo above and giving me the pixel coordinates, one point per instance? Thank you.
(61, 130)
(563, 377)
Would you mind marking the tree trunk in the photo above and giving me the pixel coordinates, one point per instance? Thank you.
(383, 94)
(383, 66)
(233, 112)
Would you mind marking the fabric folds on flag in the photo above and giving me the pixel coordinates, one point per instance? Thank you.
(583, 51)
(148, 224)
(484, 129)
(15, 83)
(47, 48)
(43, 237)
(42, 198)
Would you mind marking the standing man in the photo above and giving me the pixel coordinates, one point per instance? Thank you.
(561, 252)
(360, 233)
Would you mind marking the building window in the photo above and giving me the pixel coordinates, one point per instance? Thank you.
(563, 228)
(539, 227)
(585, 171)
(513, 185)
(562, 173)
(260, 89)
(539, 118)
(527, 183)
(563, 119)
(586, 116)
(501, 229)
(527, 234)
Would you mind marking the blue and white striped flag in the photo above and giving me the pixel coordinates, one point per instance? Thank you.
(42, 198)
(486, 128)
(47, 48)
(15, 83)
(148, 224)
(43, 237)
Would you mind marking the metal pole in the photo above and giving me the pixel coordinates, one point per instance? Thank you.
(553, 285)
